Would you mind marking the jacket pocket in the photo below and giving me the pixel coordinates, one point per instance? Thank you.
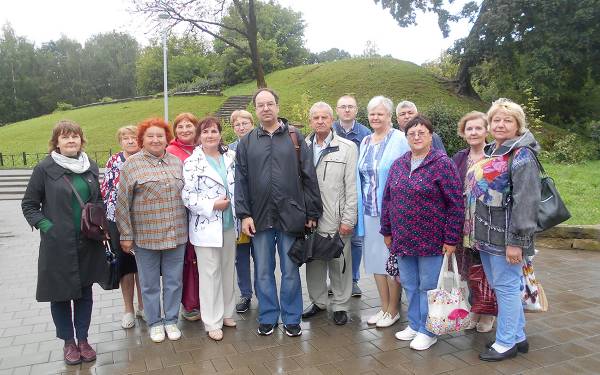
(334, 170)
(490, 224)
(292, 215)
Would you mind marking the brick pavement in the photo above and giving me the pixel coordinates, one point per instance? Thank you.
(565, 340)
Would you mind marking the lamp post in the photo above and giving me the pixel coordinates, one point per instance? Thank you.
(163, 17)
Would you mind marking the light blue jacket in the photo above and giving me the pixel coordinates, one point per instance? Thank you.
(396, 147)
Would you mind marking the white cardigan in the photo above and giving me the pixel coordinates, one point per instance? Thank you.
(203, 186)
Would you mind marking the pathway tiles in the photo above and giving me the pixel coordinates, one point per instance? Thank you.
(565, 340)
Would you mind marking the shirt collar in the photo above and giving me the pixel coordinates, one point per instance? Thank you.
(155, 160)
(279, 126)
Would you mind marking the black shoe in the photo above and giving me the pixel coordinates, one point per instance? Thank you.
(356, 292)
(340, 318)
(491, 355)
(292, 330)
(243, 305)
(266, 329)
(329, 292)
(522, 347)
(311, 311)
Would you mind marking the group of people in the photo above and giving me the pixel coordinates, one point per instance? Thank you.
(184, 206)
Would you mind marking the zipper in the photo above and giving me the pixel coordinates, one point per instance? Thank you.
(325, 170)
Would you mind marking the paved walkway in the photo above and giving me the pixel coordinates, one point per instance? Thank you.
(565, 340)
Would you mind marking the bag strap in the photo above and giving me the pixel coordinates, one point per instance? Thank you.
(510, 162)
(441, 284)
(294, 137)
(74, 191)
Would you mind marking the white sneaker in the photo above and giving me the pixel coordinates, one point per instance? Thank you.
(128, 321)
(157, 333)
(173, 332)
(422, 342)
(406, 334)
(375, 318)
(486, 323)
(387, 320)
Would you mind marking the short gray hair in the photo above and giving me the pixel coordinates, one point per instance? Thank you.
(320, 105)
(406, 104)
(381, 100)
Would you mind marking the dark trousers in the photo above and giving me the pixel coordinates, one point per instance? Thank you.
(80, 315)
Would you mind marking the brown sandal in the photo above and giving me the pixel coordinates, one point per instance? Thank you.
(229, 322)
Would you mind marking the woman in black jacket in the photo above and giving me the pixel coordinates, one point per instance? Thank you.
(68, 263)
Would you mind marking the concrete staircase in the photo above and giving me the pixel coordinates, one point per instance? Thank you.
(13, 183)
(231, 104)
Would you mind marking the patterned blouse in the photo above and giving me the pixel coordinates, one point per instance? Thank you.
(110, 184)
(150, 210)
(368, 173)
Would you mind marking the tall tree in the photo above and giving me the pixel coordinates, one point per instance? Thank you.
(280, 37)
(206, 16)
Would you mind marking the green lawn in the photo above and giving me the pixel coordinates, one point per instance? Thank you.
(579, 187)
(99, 123)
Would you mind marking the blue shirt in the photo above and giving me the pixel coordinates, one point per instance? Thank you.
(219, 166)
(368, 174)
(318, 150)
(356, 134)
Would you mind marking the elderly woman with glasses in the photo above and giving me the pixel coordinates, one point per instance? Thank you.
(421, 219)
(377, 153)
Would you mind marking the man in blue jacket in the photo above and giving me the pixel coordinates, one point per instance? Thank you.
(347, 127)
(276, 196)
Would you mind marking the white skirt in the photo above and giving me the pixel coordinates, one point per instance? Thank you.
(375, 253)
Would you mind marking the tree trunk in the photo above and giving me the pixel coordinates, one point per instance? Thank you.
(472, 54)
(253, 45)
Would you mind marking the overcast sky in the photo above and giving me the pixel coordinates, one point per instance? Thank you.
(343, 24)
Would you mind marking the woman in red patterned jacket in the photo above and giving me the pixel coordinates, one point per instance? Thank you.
(421, 219)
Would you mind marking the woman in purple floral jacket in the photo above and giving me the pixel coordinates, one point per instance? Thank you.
(422, 217)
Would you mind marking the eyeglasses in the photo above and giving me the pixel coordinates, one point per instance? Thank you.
(244, 124)
(269, 105)
(413, 135)
(346, 107)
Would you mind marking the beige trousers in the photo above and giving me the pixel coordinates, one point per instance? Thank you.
(341, 283)
(216, 271)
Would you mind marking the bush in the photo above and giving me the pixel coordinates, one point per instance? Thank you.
(570, 149)
(107, 99)
(201, 84)
(445, 122)
(62, 106)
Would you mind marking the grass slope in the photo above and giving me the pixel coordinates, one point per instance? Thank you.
(100, 123)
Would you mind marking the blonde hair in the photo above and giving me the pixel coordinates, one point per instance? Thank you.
(473, 115)
(240, 113)
(511, 108)
(126, 129)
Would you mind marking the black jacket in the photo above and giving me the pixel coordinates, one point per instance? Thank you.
(270, 187)
(66, 262)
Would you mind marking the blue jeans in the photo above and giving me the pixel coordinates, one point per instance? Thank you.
(242, 268)
(418, 275)
(151, 264)
(269, 307)
(357, 245)
(505, 279)
(64, 317)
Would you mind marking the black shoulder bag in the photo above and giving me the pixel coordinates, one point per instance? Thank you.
(552, 210)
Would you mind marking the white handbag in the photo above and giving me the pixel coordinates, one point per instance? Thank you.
(448, 308)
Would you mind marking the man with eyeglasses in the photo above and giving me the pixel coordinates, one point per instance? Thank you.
(347, 127)
(276, 196)
(406, 111)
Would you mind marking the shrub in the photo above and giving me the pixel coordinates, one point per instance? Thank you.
(62, 106)
(570, 149)
(107, 99)
(444, 119)
(201, 84)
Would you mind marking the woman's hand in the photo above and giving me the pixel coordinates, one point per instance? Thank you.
(448, 249)
(388, 241)
(221, 204)
(126, 246)
(514, 254)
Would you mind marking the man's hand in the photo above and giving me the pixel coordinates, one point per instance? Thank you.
(126, 246)
(221, 204)
(311, 223)
(514, 254)
(248, 226)
(388, 241)
(345, 230)
(449, 249)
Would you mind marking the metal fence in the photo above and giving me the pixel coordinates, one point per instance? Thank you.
(30, 159)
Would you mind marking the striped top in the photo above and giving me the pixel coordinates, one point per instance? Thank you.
(150, 210)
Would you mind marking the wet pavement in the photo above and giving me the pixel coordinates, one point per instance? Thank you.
(564, 340)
